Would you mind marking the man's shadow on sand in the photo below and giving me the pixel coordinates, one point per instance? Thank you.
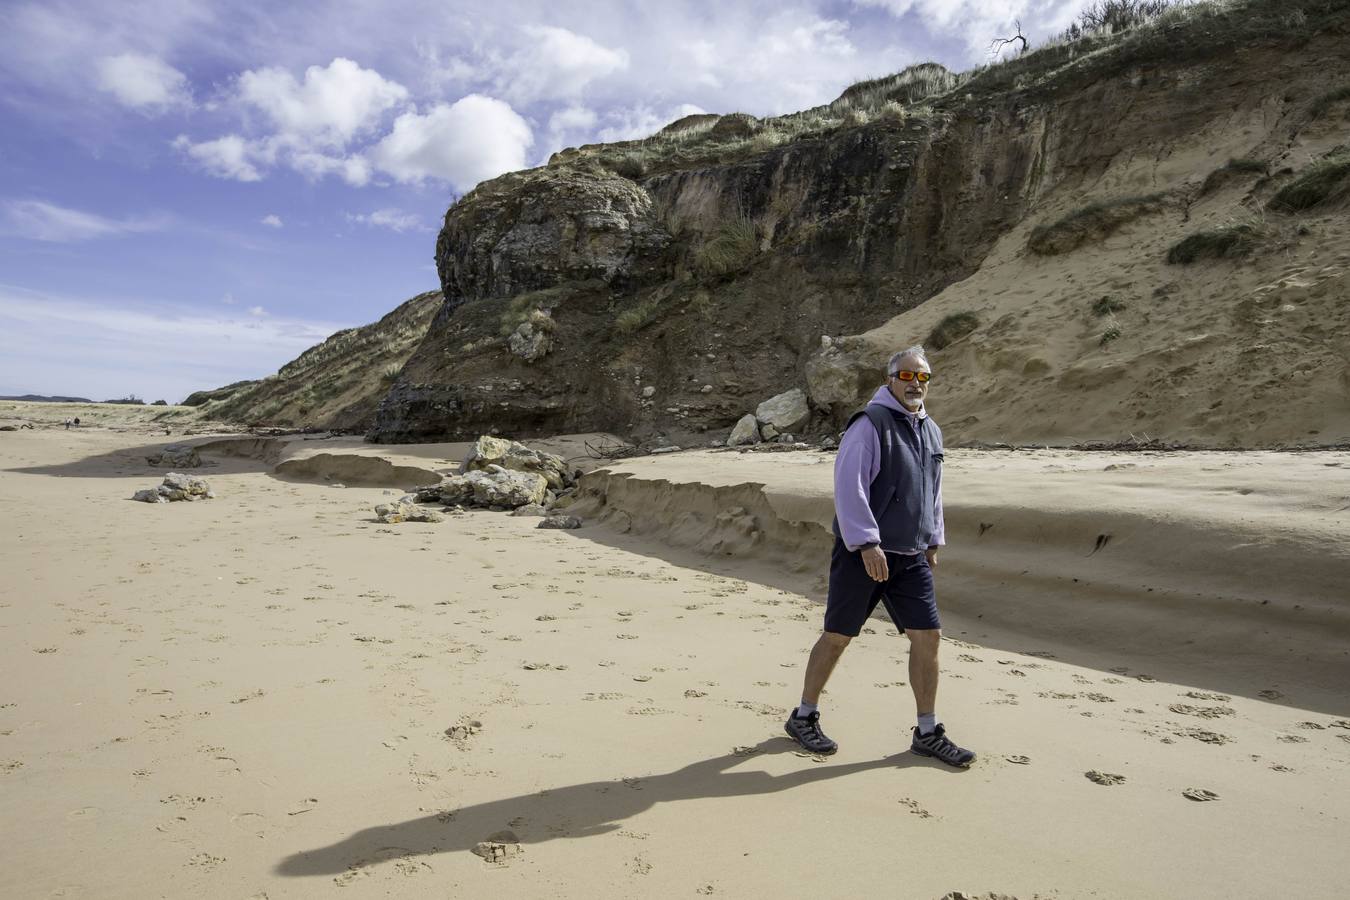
(579, 810)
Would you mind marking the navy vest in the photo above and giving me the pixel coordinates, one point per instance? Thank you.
(902, 495)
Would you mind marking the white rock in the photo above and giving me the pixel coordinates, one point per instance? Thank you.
(746, 431)
(648, 392)
(785, 412)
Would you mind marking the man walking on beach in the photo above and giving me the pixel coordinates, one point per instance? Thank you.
(887, 528)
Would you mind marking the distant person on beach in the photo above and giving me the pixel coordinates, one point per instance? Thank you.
(887, 530)
(67, 424)
(77, 421)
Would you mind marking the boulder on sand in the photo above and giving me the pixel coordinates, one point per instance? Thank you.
(404, 511)
(176, 486)
(746, 431)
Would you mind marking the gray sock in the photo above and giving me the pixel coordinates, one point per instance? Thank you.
(805, 709)
(927, 723)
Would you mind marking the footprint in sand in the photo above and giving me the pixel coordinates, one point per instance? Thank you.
(1199, 794)
(915, 809)
(1204, 712)
(1105, 778)
(1205, 737)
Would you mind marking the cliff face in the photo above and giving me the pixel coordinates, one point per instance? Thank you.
(335, 384)
(667, 286)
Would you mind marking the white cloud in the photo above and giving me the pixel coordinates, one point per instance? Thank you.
(227, 157)
(257, 312)
(978, 22)
(393, 219)
(144, 83)
(41, 221)
(464, 143)
(642, 121)
(355, 170)
(558, 64)
(152, 351)
(272, 221)
(333, 105)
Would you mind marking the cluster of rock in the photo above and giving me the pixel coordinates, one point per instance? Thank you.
(499, 847)
(406, 510)
(496, 474)
(178, 456)
(176, 486)
(773, 420)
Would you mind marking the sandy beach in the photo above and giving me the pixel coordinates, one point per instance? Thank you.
(271, 694)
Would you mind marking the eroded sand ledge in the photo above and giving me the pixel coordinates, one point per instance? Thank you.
(1189, 561)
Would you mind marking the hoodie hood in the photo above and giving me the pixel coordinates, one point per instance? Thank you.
(884, 397)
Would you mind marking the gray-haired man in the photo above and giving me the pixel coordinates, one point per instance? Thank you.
(888, 526)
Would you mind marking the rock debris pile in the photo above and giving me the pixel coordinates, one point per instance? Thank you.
(176, 486)
(496, 474)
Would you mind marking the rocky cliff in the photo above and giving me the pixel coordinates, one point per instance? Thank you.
(1023, 220)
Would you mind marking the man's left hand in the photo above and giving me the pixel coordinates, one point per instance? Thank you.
(931, 553)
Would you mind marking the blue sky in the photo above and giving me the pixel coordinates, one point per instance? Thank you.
(192, 193)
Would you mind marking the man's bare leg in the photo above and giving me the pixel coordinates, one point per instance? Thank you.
(824, 656)
(923, 667)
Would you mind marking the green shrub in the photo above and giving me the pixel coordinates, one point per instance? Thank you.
(951, 329)
(1093, 222)
(630, 320)
(1107, 305)
(1233, 167)
(523, 306)
(1219, 243)
(391, 373)
(1326, 179)
(630, 165)
(1111, 333)
(730, 247)
(1323, 104)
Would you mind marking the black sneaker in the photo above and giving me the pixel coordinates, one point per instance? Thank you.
(936, 745)
(805, 730)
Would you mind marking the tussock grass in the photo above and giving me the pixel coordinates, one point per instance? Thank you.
(1106, 306)
(1093, 222)
(1323, 104)
(1233, 167)
(951, 329)
(630, 320)
(1325, 180)
(730, 247)
(1228, 242)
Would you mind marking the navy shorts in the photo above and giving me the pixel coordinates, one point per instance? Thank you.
(907, 593)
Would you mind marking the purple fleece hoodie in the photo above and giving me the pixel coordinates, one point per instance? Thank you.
(856, 465)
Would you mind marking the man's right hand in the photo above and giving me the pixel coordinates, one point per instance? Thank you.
(874, 560)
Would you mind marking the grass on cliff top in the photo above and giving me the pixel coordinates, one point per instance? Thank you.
(1093, 222)
(1154, 32)
(1228, 242)
(1325, 180)
(951, 329)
